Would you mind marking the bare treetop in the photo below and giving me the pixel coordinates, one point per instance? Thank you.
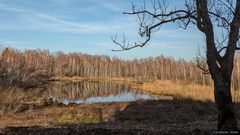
(155, 14)
(219, 21)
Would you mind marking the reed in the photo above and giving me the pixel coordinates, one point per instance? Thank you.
(10, 100)
(180, 89)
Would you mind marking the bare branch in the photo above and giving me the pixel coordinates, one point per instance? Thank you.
(202, 66)
(124, 47)
(147, 28)
(228, 4)
(209, 16)
(225, 47)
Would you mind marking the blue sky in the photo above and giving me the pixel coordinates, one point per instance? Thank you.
(86, 26)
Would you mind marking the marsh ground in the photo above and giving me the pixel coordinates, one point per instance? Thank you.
(28, 112)
(175, 116)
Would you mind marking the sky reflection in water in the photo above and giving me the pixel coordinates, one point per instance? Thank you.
(89, 92)
(123, 97)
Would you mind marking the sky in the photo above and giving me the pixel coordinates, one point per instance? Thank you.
(87, 26)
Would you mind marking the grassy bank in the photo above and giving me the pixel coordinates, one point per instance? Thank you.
(50, 114)
(96, 79)
(193, 109)
(163, 116)
(183, 90)
(176, 117)
(178, 89)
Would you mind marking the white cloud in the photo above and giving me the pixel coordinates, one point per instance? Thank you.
(30, 20)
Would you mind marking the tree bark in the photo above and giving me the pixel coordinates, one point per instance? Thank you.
(220, 67)
(223, 99)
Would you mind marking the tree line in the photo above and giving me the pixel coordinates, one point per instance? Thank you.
(36, 66)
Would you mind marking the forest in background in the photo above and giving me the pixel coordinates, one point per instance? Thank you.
(24, 95)
(33, 67)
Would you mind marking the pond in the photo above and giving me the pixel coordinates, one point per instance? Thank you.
(96, 92)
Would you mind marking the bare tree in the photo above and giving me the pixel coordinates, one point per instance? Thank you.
(211, 17)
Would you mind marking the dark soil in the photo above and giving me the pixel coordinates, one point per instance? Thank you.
(170, 117)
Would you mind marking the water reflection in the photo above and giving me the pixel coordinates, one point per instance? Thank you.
(95, 92)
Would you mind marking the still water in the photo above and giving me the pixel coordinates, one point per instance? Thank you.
(95, 92)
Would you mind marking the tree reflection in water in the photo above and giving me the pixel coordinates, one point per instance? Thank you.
(95, 92)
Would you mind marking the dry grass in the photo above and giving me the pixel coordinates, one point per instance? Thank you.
(183, 90)
(179, 89)
(51, 115)
(14, 99)
(96, 79)
(10, 100)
